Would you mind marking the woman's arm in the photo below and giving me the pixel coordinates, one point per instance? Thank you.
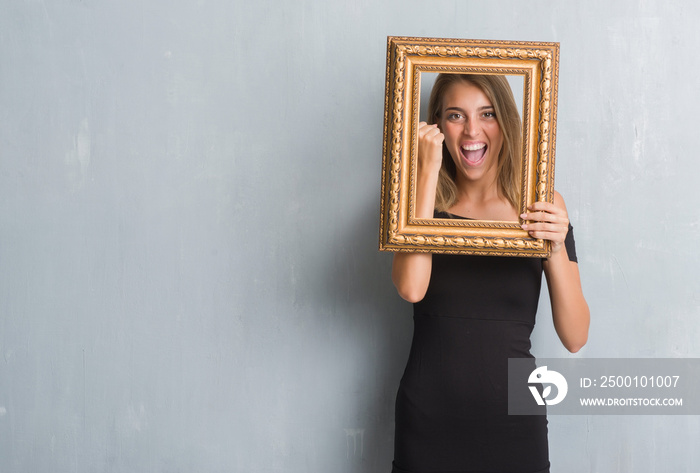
(569, 308)
(411, 271)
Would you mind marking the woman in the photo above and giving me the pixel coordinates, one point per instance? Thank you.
(472, 313)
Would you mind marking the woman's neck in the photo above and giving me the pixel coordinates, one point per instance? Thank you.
(482, 200)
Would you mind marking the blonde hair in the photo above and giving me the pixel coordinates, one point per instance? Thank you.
(499, 93)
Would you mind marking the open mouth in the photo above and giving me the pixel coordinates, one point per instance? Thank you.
(473, 153)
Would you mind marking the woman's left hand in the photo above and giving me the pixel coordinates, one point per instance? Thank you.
(569, 308)
(548, 221)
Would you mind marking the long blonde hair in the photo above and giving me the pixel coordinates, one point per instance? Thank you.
(499, 93)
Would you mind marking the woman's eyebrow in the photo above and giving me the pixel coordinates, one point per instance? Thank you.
(482, 108)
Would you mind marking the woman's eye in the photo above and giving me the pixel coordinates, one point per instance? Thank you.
(489, 115)
(454, 117)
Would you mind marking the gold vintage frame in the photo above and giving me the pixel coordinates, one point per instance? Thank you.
(538, 63)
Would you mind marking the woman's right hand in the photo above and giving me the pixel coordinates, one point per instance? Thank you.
(430, 140)
(411, 271)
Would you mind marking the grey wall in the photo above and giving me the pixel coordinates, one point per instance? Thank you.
(189, 198)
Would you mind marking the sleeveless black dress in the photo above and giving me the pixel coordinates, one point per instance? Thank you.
(452, 404)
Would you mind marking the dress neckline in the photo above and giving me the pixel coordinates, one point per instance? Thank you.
(444, 214)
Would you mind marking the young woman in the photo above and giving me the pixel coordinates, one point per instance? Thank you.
(472, 313)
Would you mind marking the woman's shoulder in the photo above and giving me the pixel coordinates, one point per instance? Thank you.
(559, 200)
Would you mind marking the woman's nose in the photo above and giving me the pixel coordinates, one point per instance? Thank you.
(470, 127)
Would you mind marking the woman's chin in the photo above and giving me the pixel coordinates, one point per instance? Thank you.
(474, 171)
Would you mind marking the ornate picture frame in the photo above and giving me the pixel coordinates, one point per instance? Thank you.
(407, 59)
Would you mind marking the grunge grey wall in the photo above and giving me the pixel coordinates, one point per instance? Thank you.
(189, 198)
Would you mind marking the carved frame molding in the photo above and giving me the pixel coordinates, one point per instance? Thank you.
(407, 57)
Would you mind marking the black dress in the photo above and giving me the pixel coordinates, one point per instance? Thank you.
(452, 404)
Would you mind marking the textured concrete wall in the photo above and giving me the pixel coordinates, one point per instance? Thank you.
(189, 197)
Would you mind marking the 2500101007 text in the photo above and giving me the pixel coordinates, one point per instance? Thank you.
(639, 381)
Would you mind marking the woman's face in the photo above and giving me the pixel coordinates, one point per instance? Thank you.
(472, 134)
